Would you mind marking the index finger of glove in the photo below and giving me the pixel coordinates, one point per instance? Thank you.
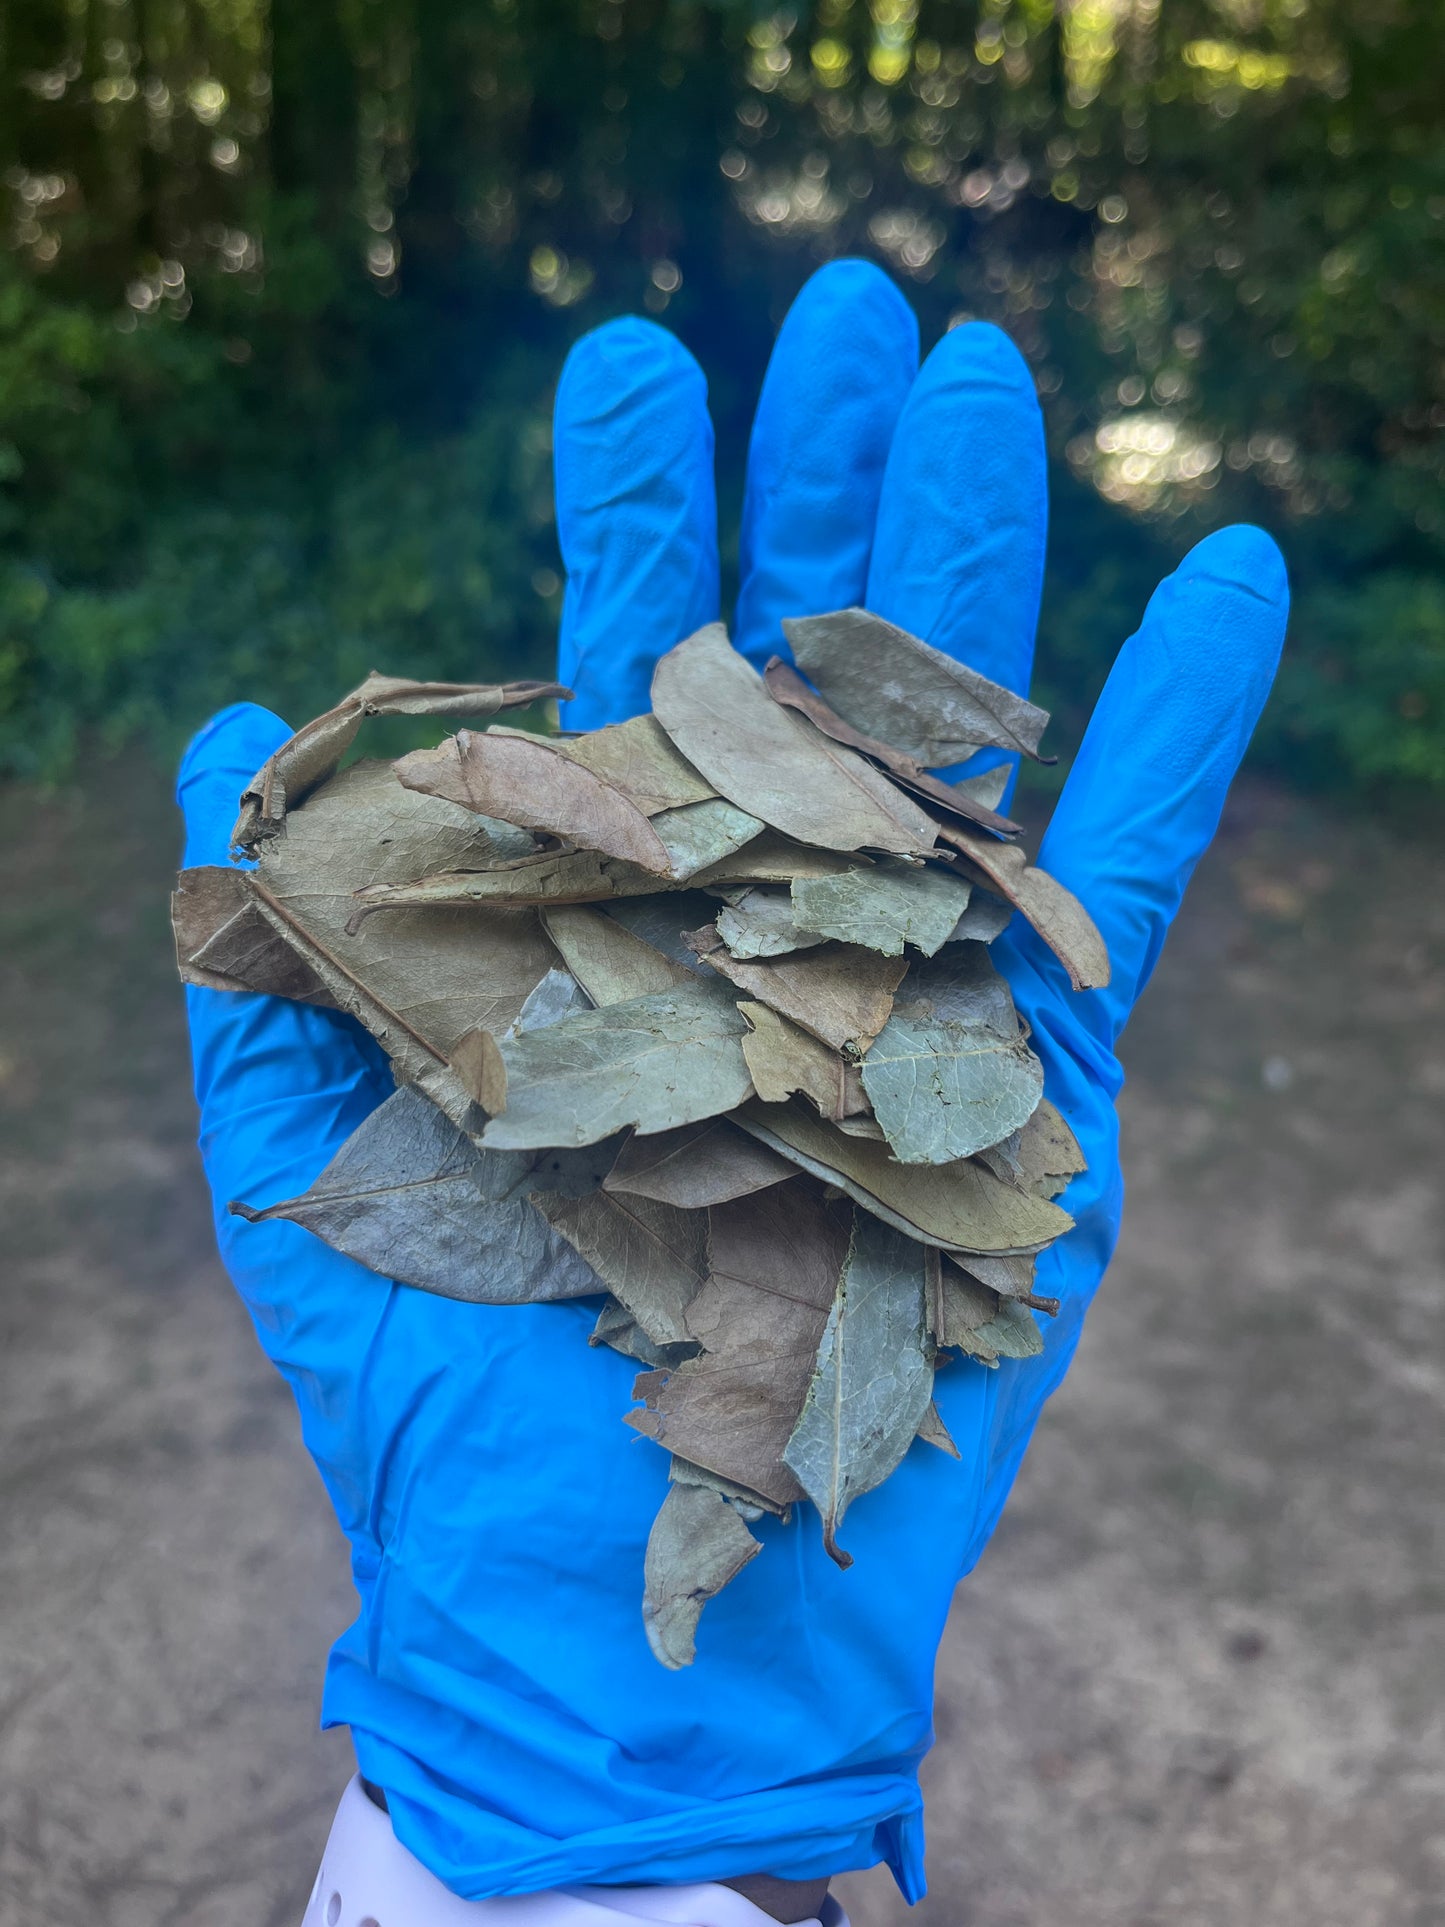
(636, 514)
(1145, 793)
(837, 378)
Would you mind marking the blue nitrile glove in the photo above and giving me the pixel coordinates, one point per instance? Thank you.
(497, 1680)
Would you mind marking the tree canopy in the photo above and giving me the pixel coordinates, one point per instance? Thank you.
(286, 287)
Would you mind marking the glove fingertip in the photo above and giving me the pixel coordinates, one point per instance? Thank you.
(220, 759)
(1240, 557)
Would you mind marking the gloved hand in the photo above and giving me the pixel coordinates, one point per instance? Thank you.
(497, 1680)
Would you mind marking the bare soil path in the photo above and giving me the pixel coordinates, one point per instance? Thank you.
(1197, 1678)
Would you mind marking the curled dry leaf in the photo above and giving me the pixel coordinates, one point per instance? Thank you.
(958, 1207)
(839, 992)
(882, 680)
(699, 1541)
(529, 781)
(772, 762)
(1056, 913)
(970, 801)
(224, 943)
(314, 753)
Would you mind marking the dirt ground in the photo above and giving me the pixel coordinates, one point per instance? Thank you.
(1197, 1679)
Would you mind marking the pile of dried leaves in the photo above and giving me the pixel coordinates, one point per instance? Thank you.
(694, 1014)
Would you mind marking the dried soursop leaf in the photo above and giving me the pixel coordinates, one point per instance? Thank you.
(839, 992)
(224, 943)
(699, 1541)
(959, 1207)
(1058, 916)
(611, 964)
(888, 683)
(620, 1332)
(313, 754)
(774, 763)
(638, 758)
(884, 907)
(783, 1059)
(761, 923)
(933, 1431)
(975, 1320)
(776, 1258)
(711, 1162)
(410, 1196)
(873, 1382)
(653, 1063)
(651, 1257)
(974, 800)
(527, 780)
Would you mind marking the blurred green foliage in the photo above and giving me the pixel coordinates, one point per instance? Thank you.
(284, 289)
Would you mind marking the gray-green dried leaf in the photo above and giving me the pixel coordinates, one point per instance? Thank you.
(653, 1063)
(612, 965)
(761, 923)
(884, 907)
(312, 755)
(555, 997)
(651, 1257)
(711, 1162)
(873, 1382)
(958, 1207)
(772, 762)
(411, 1197)
(944, 1088)
(698, 1543)
(889, 684)
(751, 1505)
(702, 835)
(986, 917)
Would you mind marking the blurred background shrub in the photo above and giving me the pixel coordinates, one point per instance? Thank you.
(284, 289)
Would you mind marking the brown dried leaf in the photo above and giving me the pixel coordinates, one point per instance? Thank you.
(933, 1431)
(611, 964)
(958, 1207)
(1058, 916)
(290, 774)
(770, 858)
(420, 980)
(761, 923)
(711, 1162)
(224, 943)
(882, 680)
(651, 1257)
(699, 1541)
(529, 781)
(783, 1059)
(776, 1259)
(773, 762)
(839, 992)
(786, 686)
(980, 1323)
(639, 758)
(620, 1331)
